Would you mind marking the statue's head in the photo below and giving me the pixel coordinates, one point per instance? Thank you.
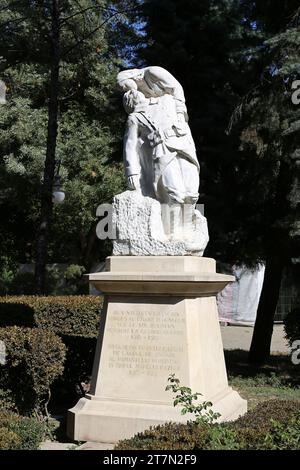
(132, 99)
(127, 79)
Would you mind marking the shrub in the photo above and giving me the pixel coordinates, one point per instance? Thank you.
(20, 432)
(68, 315)
(284, 437)
(168, 436)
(74, 318)
(6, 401)
(292, 325)
(271, 425)
(255, 427)
(35, 359)
(7, 273)
(9, 440)
(260, 417)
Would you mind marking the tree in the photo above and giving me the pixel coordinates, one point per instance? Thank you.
(204, 45)
(57, 56)
(274, 124)
(239, 54)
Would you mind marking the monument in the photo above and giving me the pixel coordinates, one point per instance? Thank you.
(160, 315)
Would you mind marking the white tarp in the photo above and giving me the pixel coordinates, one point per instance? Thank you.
(238, 302)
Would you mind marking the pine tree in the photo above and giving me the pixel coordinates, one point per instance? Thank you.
(63, 79)
(240, 55)
(269, 137)
(205, 45)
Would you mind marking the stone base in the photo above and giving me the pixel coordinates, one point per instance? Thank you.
(110, 421)
(160, 317)
(140, 232)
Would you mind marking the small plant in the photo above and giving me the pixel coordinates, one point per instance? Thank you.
(283, 436)
(222, 438)
(292, 324)
(190, 404)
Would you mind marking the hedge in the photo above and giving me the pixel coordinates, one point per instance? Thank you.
(75, 319)
(274, 424)
(35, 358)
(20, 432)
(65, 315)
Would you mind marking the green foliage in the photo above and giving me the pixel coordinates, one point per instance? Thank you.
(271, 425)
(292, 325)
(6, 402)
(284, 437)
(169, 436)
(75, 319)
(212, 43)
(60, 281)
(74, 272)
(67, 315)
(89, 129)
(9, 440)
(7, 274)
(260, 417)
(190, 404)
(20, 432)
(255, 429)
(266, 123)
(35, 358)
(223, 438)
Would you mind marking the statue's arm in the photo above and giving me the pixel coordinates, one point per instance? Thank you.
(130, 153)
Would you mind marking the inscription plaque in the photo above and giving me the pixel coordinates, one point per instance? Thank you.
(142, 340)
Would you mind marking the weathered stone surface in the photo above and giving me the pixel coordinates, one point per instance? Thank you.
(140, 230)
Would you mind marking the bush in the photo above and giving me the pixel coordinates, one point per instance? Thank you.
(35, 358)
(255, 429)
(169, 436)
(9, 440)
(284, 437)
(20, 432)
(6, 401)
(292, 325)
(271, 425)
(68, 315)
(74, 318)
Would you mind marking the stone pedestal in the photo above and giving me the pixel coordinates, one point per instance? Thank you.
(160, 317)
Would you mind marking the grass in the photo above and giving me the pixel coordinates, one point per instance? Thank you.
(279, 378)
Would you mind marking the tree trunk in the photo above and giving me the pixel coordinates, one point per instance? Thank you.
(277, 242)
(263, 330)
(49, 169)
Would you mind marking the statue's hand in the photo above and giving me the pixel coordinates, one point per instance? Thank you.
(134, 182)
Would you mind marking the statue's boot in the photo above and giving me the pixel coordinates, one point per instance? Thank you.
(189, 222)
(175, 222)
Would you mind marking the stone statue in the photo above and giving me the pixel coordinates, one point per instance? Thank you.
(160, 312)
(160, 163)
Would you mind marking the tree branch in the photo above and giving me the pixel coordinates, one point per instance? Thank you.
(92, 32)
(16, 20)
(81, 12)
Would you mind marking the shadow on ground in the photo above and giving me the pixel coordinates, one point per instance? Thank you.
(279, 367)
